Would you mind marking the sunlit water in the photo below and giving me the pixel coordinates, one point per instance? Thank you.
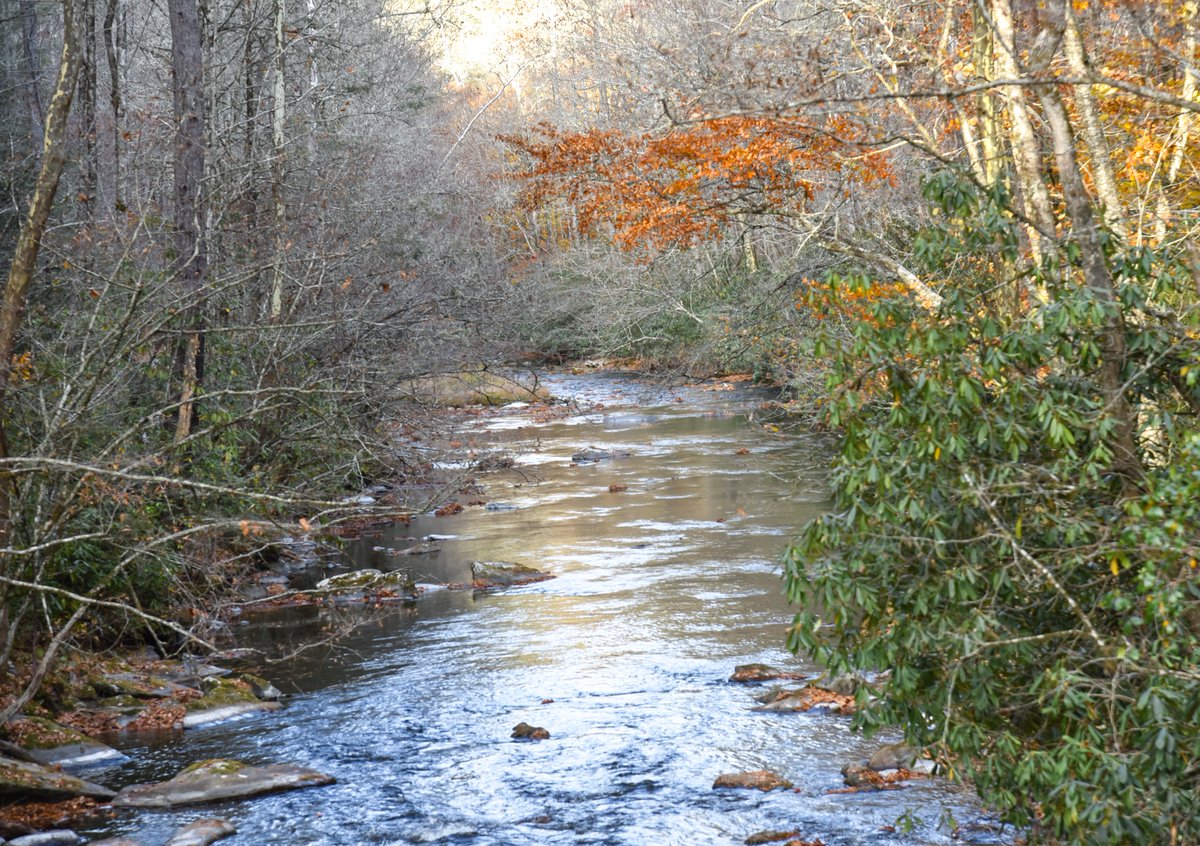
(661, 590)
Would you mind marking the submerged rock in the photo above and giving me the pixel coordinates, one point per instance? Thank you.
(225, 699)
(492, 574)
(24, 780)
(58, 837)
(764, 780)
(202, 833)
(524, 731)
(761, 672)
(217, 779)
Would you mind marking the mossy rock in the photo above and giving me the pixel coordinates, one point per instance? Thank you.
(23, 780)
(49, 742)
(492, 574)
(34, 733)
(214, 766)
(217, 779)
(221, 692)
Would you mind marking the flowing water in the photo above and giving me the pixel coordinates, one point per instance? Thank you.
(661, 590)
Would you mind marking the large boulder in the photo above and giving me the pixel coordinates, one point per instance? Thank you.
(218, 779)
(25, 780)
(493, 574)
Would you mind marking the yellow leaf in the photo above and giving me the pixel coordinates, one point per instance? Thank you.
(1115, 567)
(305, 525)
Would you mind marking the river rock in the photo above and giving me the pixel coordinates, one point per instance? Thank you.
(217, 779)
(202, 833)
(803, 700)
(493, 574)
(223, 699)
(761, 672)
(260, 687)
(524, 731)
(769, 837)
(57, 837)
(48, 742)
(893, 756)
(764, 780)
(360, 583)
(24, 780)
(847, 684)
(591, 454)
(138, 685)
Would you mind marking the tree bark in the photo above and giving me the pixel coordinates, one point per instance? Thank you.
(1093, 132)
(278, 116)
(983, 58)
(29, 241)
(33, 75)
(114, 96)
(190, 203)
(1027, 154)
(1086, 234)
(89, 165)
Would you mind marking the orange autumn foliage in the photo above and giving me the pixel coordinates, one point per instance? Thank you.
(682, 186)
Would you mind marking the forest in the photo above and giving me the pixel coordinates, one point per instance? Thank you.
(960, 236)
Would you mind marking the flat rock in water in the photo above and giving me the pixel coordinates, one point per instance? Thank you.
(761, 672)
(202, 833)
(805, 699)
(524, 731)
(23, 780)
(218, 779)
(491, 574)
(369, 581)
(769, 837)
(753, 780)
(58, 837)
(48, 742)
(224, 699)
(592, 454)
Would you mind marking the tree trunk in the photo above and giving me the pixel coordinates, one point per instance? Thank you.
(1086, 234)
(1183, 126)
(89, 166)
(114, 96)
(1027, 154)
(278, 116)
(1093, 132)
(983, 58)
(190, 204)
(33, 75)
(24, 262)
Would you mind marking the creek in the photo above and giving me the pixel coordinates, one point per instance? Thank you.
(660, 590)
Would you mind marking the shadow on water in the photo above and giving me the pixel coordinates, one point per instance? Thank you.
(661, 590)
